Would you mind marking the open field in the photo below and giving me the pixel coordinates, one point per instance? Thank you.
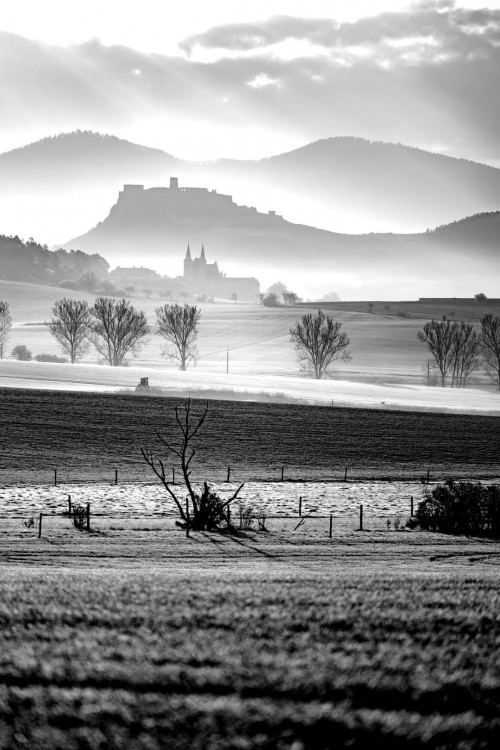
(87, 436)
(384, 348)
(141, 638)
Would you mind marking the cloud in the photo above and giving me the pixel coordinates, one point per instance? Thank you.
(422, 76)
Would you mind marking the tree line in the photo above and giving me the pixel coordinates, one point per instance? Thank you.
(116, 329)
(457, 349)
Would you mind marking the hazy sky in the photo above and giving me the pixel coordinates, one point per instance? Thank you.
(224, 78)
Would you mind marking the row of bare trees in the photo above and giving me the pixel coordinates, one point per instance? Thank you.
(116, 329)
(457, 349)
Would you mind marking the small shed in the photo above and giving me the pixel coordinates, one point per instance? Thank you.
(143, 385)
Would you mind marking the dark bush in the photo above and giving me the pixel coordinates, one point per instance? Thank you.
(464, 508)
(22, 353)
(49, 358)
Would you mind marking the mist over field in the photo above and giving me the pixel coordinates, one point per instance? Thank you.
(249, 374)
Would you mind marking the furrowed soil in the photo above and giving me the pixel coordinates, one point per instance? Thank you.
(134, 636)
(87, 436)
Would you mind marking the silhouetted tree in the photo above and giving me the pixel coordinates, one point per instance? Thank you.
(438, 336)
(369, 307)
(70, 327)
(465, 349)
(178, 325)
(117, 329)
(204, 510)
(319, 343)
(481, 297)
(490, 346)
(5, 325)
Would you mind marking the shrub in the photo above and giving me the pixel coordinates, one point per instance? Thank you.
(69, 284)
(464, 508)
(49, 358)
(22, 353)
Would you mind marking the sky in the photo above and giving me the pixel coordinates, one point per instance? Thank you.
(247, 80)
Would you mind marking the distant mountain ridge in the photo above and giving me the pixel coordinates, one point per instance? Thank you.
(342, 184)
(157, 223)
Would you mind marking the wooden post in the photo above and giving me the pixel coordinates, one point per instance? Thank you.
(173, 476)
(40, 526)
(55, 477)
(69, 506)
(300, 506)
(331, 525)
(116, 476)
(282, 473)
(428, 475)
(345, 474)
(228, 473)
(187, 517)
(411, 505)
(229, 515)
(361, 518)
(88, 516)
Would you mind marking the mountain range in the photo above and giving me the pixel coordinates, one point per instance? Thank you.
(70, 182)
(341, 184)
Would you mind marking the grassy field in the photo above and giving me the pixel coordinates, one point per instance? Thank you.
(87, 436)
(149, 640)
(384, 348)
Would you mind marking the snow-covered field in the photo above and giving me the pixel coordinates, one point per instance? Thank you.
(86, 377)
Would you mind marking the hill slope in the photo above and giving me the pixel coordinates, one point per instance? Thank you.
(59, 186)
(158, 223)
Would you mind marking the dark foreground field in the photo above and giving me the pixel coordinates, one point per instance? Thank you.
(366, 640)
(88, 435)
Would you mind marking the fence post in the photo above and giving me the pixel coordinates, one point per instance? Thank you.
(40, 526)
(69, 506)
(428, 475)
(331, 525)
(411, 506)
(345, 474)
(300, 506)
(173, 475)
(228, 473)
(116, 476)
(282, 472)
(229, 515)
(88, 516)
(361, 518)
(55, 477)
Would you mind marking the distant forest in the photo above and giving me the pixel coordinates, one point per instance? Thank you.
(31, 262)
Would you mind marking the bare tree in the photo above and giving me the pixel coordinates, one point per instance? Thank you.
(5, 325)
(202, 511)
(387, 309)
(319, 343)
(178, 324)
(234, 297)
(465, 352)
(70, 326)
(117, 329)
(490, 333)
(438, 335)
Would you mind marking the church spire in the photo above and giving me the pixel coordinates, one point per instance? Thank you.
(188, 253)
(202, 256)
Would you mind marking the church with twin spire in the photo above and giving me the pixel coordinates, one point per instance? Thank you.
(206, 278)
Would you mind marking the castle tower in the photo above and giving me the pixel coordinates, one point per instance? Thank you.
(188, 263)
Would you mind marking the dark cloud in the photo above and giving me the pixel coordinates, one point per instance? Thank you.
(427, 76)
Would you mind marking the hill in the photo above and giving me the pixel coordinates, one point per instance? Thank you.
(355, 185)
(158, 222)
(58, 186)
